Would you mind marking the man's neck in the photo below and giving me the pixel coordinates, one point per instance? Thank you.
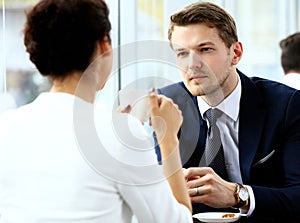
(216, 97)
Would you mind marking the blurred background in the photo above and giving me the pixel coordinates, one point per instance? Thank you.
(140, 27)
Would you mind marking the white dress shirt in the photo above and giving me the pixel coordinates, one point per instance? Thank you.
(292, 80)
(228, 124)
(54, 169)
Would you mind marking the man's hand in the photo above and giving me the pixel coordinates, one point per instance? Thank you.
(205, 186)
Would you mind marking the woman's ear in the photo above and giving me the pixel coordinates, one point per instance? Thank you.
(105, 44)
(102, 46)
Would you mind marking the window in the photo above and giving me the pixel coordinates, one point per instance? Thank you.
(143, 58)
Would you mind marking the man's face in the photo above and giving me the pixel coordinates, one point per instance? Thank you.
(206, 64)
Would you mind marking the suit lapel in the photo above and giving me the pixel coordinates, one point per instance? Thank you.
(252, 116)
(193, 130)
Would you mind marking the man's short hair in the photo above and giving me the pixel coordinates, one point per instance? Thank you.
(210, 15)
(290, 53)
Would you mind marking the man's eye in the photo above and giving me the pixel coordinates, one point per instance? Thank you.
(181, 54)
(206, 49)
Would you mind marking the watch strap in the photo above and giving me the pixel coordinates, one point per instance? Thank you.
(239, 202)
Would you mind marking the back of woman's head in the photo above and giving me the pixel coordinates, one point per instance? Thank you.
(60, 35)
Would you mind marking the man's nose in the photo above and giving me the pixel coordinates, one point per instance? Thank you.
(194, 61)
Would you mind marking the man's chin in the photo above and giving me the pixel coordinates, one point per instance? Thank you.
(197, 92)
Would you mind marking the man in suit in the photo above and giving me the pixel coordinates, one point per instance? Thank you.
(259, 124)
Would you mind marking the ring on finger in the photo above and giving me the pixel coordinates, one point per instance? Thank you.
(197, 191)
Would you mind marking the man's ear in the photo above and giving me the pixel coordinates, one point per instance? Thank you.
(237, 52)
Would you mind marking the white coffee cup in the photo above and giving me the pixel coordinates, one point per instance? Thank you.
(139, 102)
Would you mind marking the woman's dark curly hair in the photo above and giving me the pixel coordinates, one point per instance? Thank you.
(60, 35)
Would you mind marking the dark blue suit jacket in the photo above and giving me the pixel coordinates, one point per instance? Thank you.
(269, 144)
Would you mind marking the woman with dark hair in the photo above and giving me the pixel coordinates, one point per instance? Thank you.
(55, 163)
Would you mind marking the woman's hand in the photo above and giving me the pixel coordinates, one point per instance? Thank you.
(127, 109)
(166, 117)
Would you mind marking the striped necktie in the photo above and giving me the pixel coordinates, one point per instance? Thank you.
(214, 154)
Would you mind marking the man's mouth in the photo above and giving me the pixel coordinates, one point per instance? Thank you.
(197, 78)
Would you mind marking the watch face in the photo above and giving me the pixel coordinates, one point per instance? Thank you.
(243, 194)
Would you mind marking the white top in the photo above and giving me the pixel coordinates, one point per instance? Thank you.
(228, 123)
(55, 167)
(292, 80)
(6, 102)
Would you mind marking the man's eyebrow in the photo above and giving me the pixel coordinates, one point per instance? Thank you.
(179, 48)
(205, 44)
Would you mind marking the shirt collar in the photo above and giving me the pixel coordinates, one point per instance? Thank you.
(230, 105)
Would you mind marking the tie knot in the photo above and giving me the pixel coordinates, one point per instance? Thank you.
(212, 115)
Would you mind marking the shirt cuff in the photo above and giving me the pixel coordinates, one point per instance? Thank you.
(252, 202)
